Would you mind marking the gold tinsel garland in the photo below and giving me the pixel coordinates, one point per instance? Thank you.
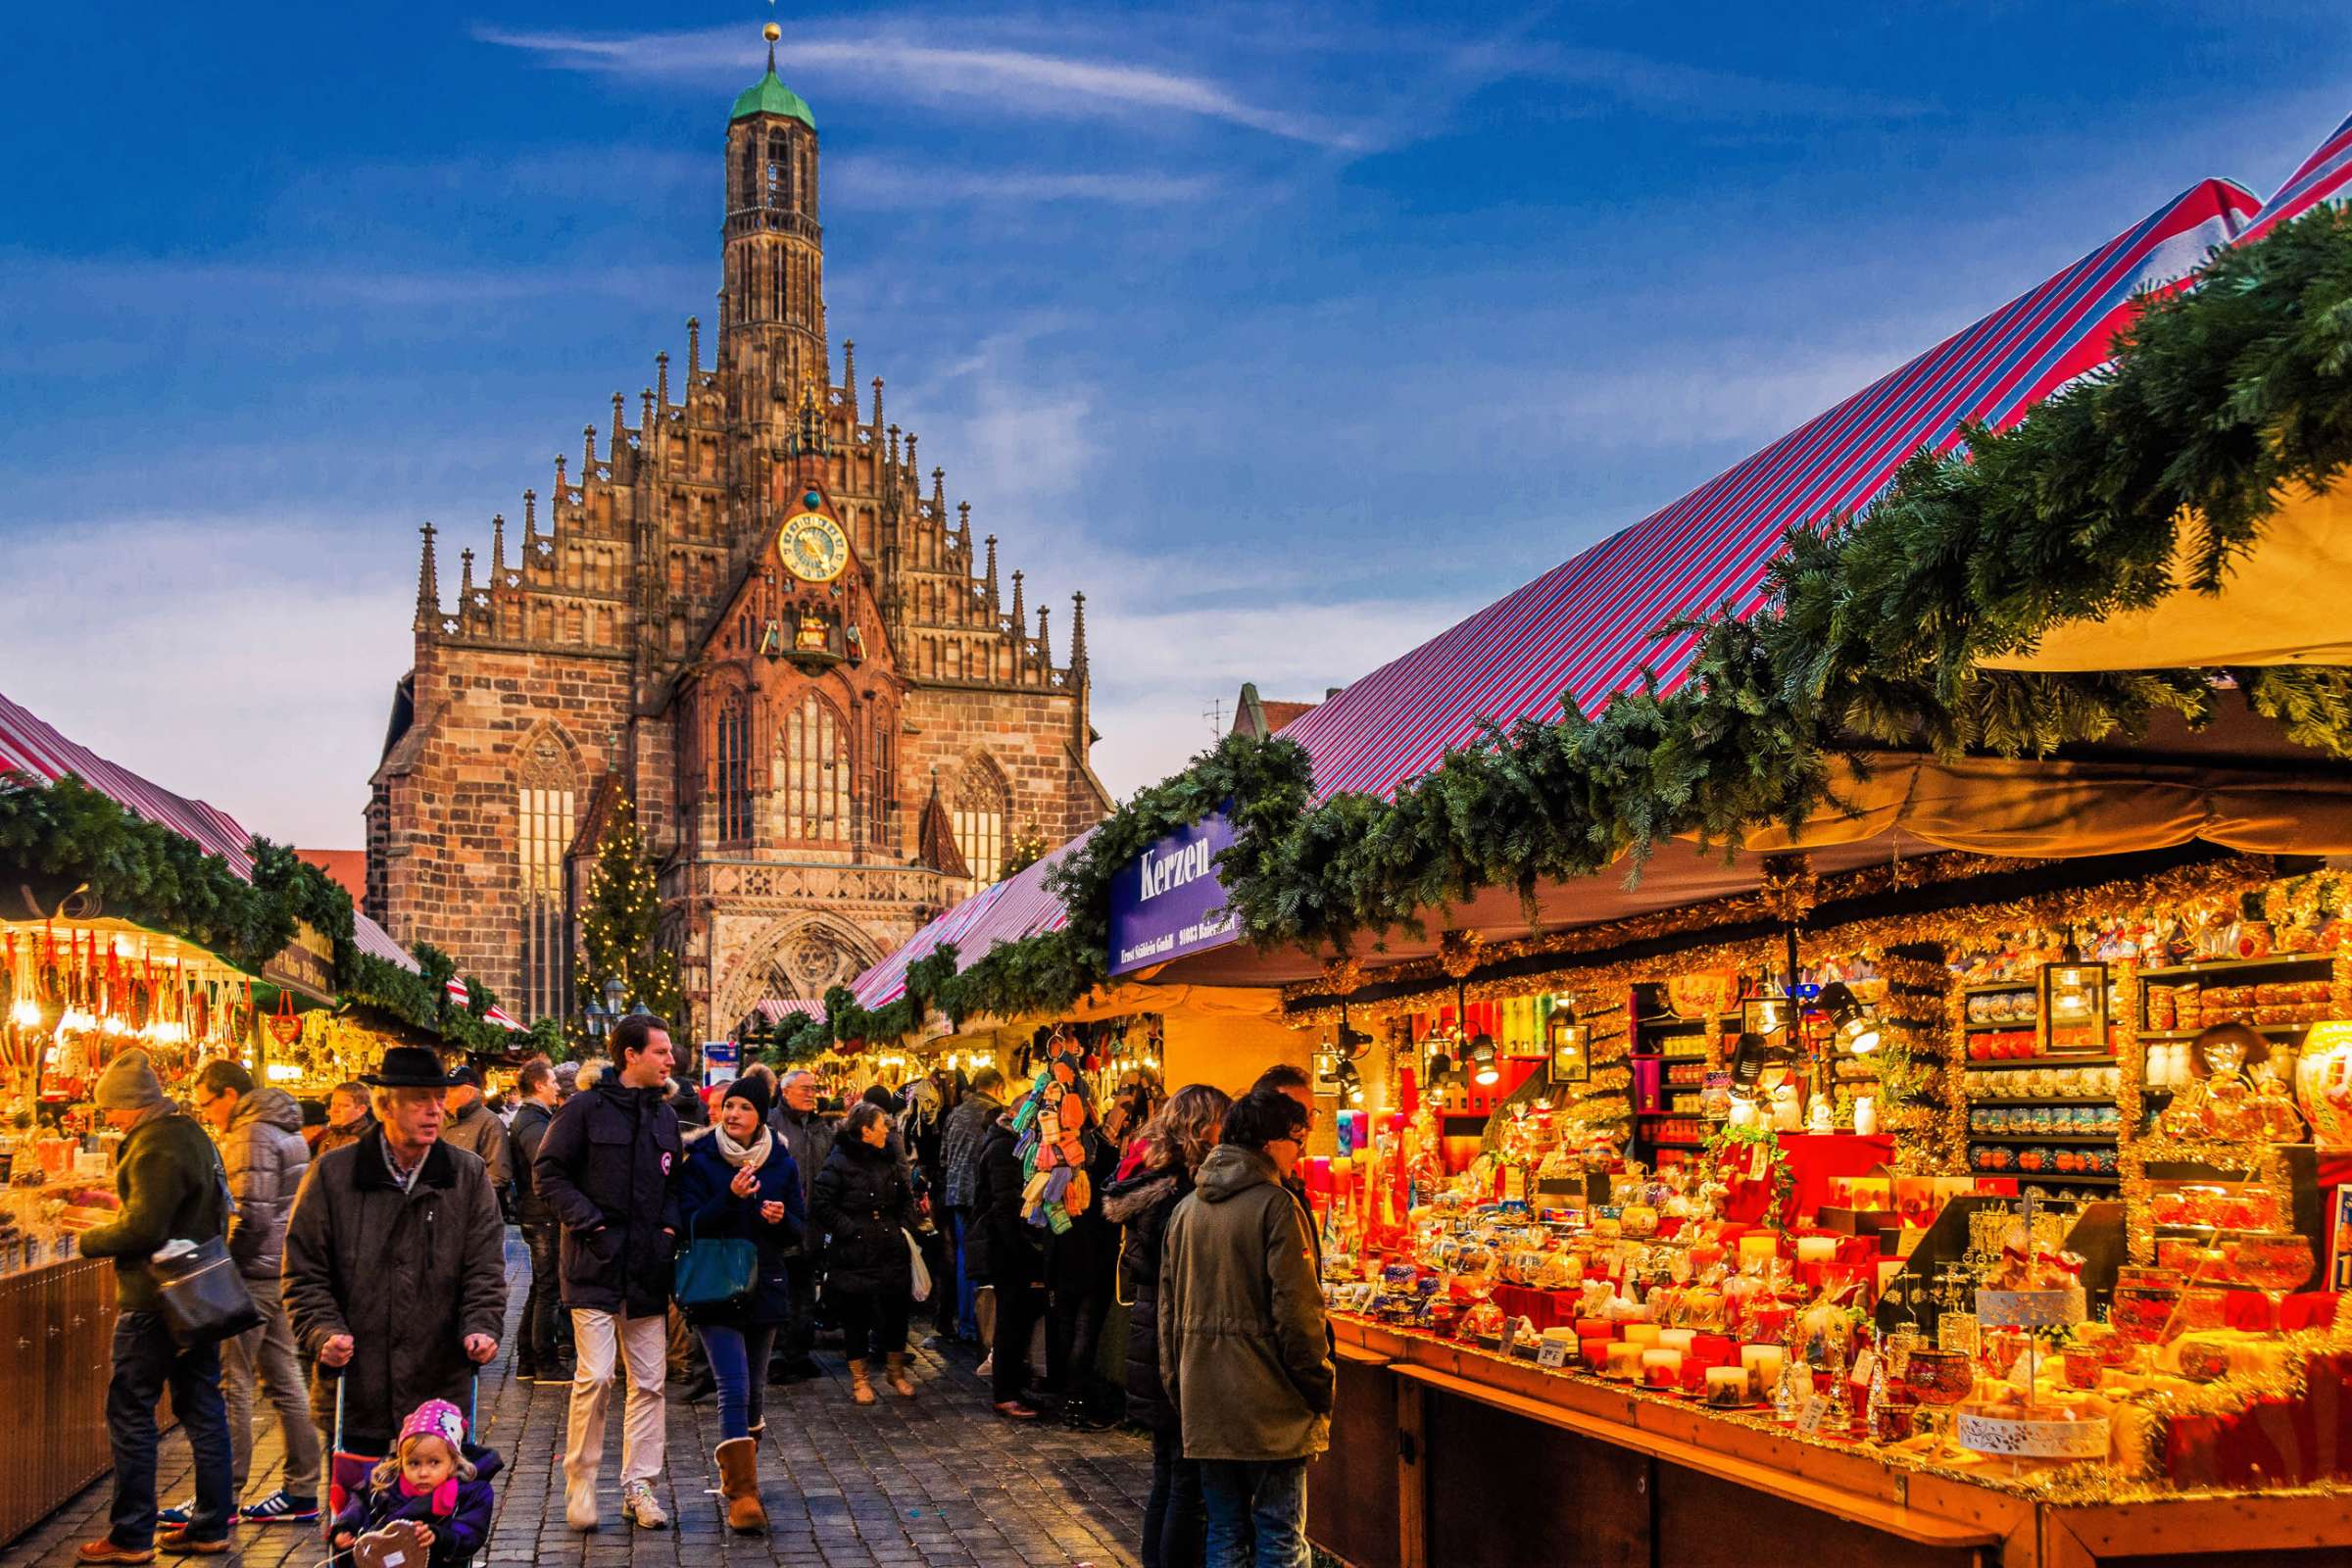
(1963, 928)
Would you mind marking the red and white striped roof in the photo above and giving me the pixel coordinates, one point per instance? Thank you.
(32, 747)
(1020, 905)
(1583, 629)
(2323, 177)
(775, 1010)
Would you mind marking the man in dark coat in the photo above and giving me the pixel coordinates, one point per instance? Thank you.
(959, 1171)
(1013, 1262)
(544, 1354)
(171, 1189)
(608, 1167)
(809, 1138)
(472, 1125)
(395, 1270)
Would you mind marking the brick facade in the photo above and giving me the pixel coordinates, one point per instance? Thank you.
(781, 736)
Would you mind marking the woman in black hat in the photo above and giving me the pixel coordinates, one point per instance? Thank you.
(740, 1184)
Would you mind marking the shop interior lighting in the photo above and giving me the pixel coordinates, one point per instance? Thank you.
(1350, 1083)
(1851, 1021)
(1754, 1056)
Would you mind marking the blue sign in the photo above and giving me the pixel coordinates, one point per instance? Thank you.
(1169, 902)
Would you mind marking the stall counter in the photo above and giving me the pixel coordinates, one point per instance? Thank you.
(1499, 1462)
(57, 1327)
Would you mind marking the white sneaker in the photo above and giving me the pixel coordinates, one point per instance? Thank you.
(988, 1365)
(638, 1507)
(579, 1503)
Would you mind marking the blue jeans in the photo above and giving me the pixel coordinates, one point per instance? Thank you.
(1172, 1513)
(967, 1322)
(1256, 1513)
(739, 1365)
(147, 1361)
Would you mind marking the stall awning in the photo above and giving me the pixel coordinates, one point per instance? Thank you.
(775, 1010)
(1584, 628)
(1020, 905)
(32, 747)
(2321, 177)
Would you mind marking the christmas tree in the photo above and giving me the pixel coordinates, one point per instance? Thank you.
(620, 924)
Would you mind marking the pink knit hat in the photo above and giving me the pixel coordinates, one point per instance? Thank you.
(436, 1418)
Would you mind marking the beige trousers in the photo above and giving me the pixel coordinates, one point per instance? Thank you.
(601, 1340)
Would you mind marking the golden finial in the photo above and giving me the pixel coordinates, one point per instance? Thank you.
(772, 32)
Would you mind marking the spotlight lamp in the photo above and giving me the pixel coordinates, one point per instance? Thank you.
(1349, 1082)
(1851, 1020)
(1483, 1071)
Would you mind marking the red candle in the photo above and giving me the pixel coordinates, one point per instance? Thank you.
(1408, 1094)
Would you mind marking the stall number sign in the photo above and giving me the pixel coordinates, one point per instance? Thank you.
(1553, 1354)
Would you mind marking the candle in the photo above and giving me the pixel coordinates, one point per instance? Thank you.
(1727, 1385)
(1593, 1354)
(1408, 1090)
(1661, 1369)
(1645, 1334)
(1762, 1363)
(1758, 1249)
(1344, 1129)
(1677, 1340)
(1816, 1249)
(1625, 1361)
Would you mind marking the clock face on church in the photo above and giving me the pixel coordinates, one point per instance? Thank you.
(813, 547)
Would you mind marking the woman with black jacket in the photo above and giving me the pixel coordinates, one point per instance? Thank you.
(739, 1182)
(1175, 1141)
(863, 1205)
(1012, 1260)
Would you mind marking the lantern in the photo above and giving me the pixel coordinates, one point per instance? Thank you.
(2074, 1006)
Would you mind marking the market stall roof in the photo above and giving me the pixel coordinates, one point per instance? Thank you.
(775, 1010)
(1583, 629)
(32, 746)
(1020, 905)
(2323, 177)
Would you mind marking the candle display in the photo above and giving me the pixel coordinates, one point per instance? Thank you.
(1758, 1249)
(1624, 1361)
(1816, 1249)
(1678, 1340)
(1762, 1363)
(1645, 1334)
(1727, 1385)
(1661, 1368)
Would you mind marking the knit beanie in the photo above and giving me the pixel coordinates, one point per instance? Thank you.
(437, 1418)
(128, 1084)
(752, 1089)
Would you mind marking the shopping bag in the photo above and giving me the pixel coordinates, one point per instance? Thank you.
(715, 1273)
(914, 1260)
(199, 1293)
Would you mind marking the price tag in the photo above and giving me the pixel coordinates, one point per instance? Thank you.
(1510, 1336)
(1553, 1353)
(1759, 1163)
(1864, 1365)
(1809, 1418)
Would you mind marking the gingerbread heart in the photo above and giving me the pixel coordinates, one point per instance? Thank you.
(398, 1544)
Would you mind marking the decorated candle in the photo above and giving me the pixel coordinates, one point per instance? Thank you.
(1593, 1354)
(1817, 1248)
(1758, 1249)
(1645, 1334)
(1727, 1385)
(1625, 1361)
(1677, 1340)
(1661, 1369)
(1763, 1366)
(1343, 1129)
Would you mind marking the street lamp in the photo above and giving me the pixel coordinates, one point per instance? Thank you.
(613, 990)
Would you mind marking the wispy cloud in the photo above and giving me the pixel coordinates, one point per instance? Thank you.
(886, 185)
(898, 59)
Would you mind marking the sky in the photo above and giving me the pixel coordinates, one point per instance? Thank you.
(1290, 334)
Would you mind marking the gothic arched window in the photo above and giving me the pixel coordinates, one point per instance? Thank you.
(731, 784)
(981, 803)
(816, 782)
(547, 790)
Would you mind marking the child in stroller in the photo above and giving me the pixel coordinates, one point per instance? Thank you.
(432, 1478)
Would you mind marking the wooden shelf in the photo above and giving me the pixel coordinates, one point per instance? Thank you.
(2009, 1063)
(2040, 1100)
(2006, 985)
(2014, 1026)
(2276, 961)
(2258, 1028)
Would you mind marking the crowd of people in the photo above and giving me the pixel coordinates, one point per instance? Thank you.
(674, 1241)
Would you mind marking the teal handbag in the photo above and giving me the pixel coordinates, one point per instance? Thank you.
(716, 1273)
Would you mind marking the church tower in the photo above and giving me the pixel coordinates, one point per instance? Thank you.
(771, 313)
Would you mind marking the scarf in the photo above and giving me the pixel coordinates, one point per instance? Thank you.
(735, 1154)
(445, 1496)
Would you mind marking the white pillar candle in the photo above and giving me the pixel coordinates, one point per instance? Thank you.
(1661, 1368)
(1625, 1361)
(1645, 1334)
(1763, 1365)
(1816, 1249)
(1675, 1339)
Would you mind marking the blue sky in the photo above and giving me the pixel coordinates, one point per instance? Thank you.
(1288, 334)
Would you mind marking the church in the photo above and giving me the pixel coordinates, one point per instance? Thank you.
(756, 616)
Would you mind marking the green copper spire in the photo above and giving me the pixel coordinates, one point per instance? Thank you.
(769, 96)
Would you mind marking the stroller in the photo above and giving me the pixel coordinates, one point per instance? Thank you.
(347, 1472)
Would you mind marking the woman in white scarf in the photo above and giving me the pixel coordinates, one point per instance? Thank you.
(739, 1194)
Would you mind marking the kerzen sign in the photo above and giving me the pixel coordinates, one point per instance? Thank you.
(1169, 902)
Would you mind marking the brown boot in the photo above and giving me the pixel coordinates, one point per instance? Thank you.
(860, 1391)
(895, 1374)
(739, 1484)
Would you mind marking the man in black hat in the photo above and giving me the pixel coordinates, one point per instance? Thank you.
(395, 1268)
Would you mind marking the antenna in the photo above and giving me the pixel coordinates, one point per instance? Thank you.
(1214, 712)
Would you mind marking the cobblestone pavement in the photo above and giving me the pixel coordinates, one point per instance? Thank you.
(936, 1481)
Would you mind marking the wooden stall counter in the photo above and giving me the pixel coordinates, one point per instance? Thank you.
(57, 1328)
(1447, 1456)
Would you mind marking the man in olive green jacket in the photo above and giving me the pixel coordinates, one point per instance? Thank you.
(1242, 1344)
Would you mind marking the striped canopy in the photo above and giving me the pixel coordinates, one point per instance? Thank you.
(1583, 629)
(775, 1010)
(29, 746)
(1020, 905)
(2321, 177)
